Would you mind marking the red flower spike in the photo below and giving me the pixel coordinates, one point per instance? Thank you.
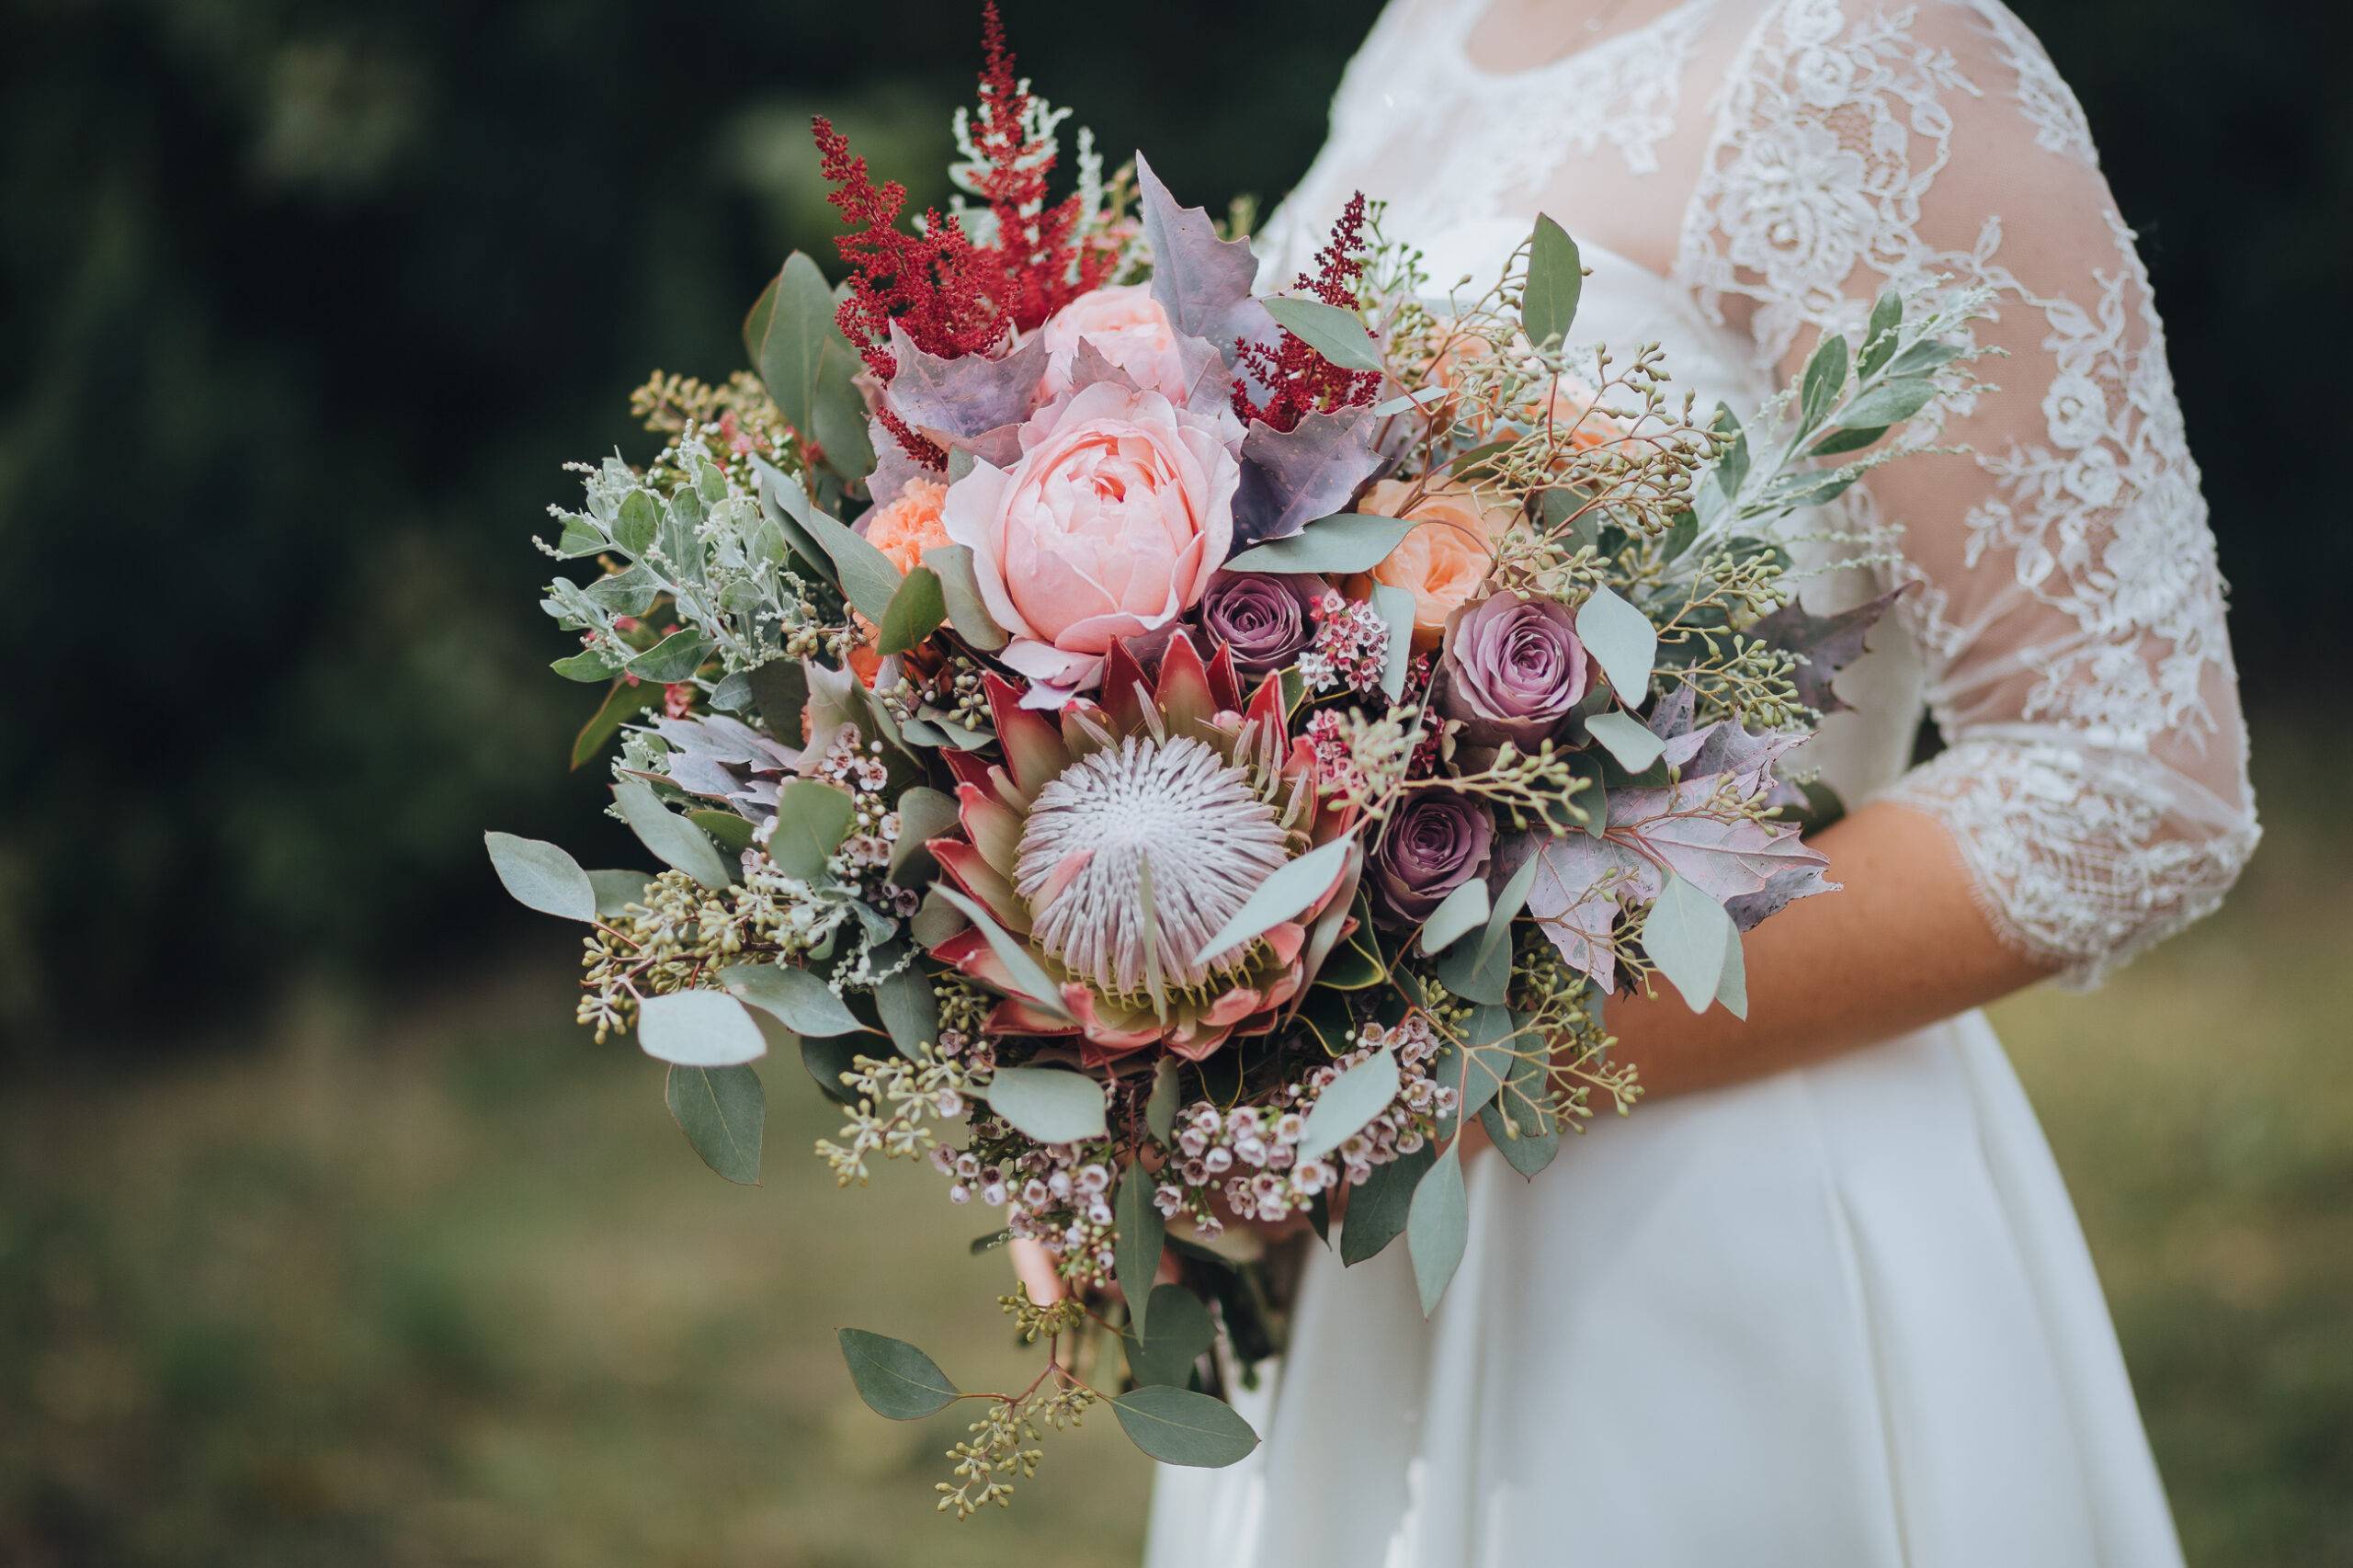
(1299, 380)
(1037, 262)
(928, 283)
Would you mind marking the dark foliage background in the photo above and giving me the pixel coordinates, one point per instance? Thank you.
(308, 301)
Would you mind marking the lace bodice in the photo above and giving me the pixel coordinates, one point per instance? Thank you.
(1777, 163)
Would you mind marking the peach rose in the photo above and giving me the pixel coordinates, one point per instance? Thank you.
(1128, 327)
(910, 524)
(1442, 562)
(1110, 525)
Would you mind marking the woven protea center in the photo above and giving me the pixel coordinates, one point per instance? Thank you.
(1135, 857)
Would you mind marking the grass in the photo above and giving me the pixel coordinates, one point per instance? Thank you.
(443, 1286)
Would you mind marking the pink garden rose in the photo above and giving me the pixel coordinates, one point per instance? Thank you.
(1128, 327)
(1110, 526)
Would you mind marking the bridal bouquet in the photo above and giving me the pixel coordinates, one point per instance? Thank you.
(1168, 754)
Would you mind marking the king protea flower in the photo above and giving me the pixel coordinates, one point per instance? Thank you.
(1117, 841)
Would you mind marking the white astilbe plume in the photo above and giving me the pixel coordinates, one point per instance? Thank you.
(1133, 858)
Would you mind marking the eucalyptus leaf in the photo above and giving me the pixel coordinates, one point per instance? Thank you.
(924, 813)
(1048, 1103)
(910, 1010)
(894, 1378)
(1621, 639)
(794, 997)
(1027, 977)
(1178, 1426)
(622, 702)
(721, 1111)
(1344, 543)
(1731, 986)
(1685, 935)
(698, 1028)
(1478, 1063)
(541, 876)
(959, 589)
(1377, 1206)
(732, 833)
(1160, 1107)
(1459, 913)
(1627, 739)
(914, 613)
(1555, 280)
(811, 820)
(1286, 894)
(1143, 1233)
(616, 890)
(1339, 336)
(1439, 1228)
(675, 841)
(868, 578)
(1181, 1333)
(1352, 1100)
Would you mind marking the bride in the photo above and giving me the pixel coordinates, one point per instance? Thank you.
(1822, 1299)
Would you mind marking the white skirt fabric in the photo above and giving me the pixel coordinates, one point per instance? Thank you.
(1840, 1317)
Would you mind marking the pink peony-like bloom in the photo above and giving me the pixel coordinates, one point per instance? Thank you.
(1128, 327)
(1109, 525)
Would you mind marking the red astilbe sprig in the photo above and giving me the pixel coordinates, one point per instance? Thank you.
(927, 282)
(1299, 380)
(1037, 261)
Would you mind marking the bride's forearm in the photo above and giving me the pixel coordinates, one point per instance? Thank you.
(1901, 945)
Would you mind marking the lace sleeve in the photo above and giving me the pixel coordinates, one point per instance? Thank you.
(2069, 603)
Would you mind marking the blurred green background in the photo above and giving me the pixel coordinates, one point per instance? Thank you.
(323, 1238)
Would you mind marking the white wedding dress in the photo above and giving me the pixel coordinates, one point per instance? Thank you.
(1843, 1315)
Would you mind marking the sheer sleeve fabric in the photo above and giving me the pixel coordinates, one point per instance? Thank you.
(2067, 598)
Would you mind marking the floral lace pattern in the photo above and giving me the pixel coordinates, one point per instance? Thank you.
(2069, 606)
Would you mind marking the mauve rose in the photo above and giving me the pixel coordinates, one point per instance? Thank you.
(1511, 670)
(1436, 842)
(1262, 616)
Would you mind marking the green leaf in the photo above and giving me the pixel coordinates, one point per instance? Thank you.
(631, 592)
(674, 658)
(1732, 988)
(807, 366)
(915, 612)
(586, 666)
(1395, 607)
(733, 832)
(1178, 1426)
(616, 891)
(1476, 974)
(1477, 1063)
(1439, 1228)
(1826, 377)
(960, 590)
(811, 820)
(1555, 280)
(1348, 541)
(1182, 1331)
(620, 704)
(1922, 357)
(1143, 1233)
(867, 576)
(1027, 977)
(675, 841)
(1456, 915)
(1491, 962)
(1378, 1207)
(910, 1009)
(1354, 1099)
(1621, 639)
(924, 813)
(1879, 338)
(828, 1059)
(1684, 934)
(1842, 439)
(541, 876)
(894, 1378)
(1889, 403)
(633, 526)
(579, 538)
(698, 1028)
(1339, 336)
(1160, 1109)
(720, 1110)
(1627, 739)
(1286, 893)
(780, 692)
(794, 997)
(1048, 1103)
(1518, 1121)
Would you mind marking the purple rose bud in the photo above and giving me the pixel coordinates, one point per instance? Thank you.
(1262, 616)
(1512, 669)
(1432, 844)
